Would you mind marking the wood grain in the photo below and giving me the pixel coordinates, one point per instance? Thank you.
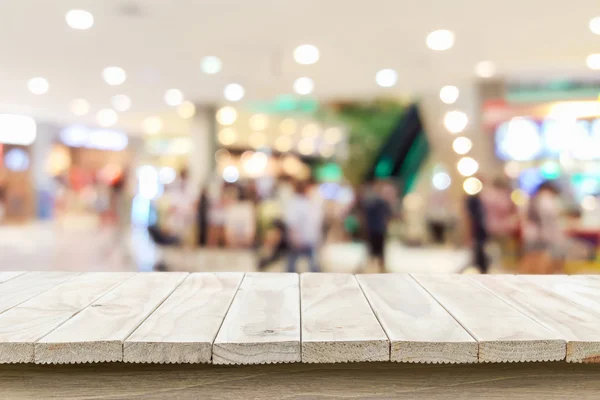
(419, 329)
(184, 327)
(554, 381)
(8, 275)
(338, 324)
(23, 325)
(582, 290)
(504, 333)
(26, 286)
(97, 333)
(579, 327)
(263, 322)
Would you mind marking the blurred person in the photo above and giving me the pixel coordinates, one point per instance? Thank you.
(543, 235)
(3, 198)
(378, 212)
(240, 222)
(439, 216)
(120, 203)
(477, 231)
(275, 244)
(501, 215)
(216, 220)
(304, 224)
(182, 201)
(202, 208)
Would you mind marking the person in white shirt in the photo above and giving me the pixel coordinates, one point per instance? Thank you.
(304, 222)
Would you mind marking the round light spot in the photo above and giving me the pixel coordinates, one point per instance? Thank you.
(593, 61)
(440, 40)
(227, 136)
(304, 85)
(595, 25)
(485, 69)
(472, 186)
(467, 166)
(187, 109)
(173, 97)
(327, 151)
(258, 122)
(333, 135)
(121, 102)
(16, 160)
(79, 19)
(306, 54)
(211, 65)
(257, 140)
(107, 117)
(79, 107)
(283, 144)
(231, 174)
(441, 181)
(38, 86)
(386, 77)
(306, 146)
(227, 115)
(152, 125)
(519, 197)
(114, 76)
(222, 155)
(234, 92)
(462, 145)
(455, 121)
(512, 169)
(311, 130)
(288, 126)
(449, 94)
(166, 175)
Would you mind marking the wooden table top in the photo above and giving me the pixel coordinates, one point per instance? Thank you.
(264, 318)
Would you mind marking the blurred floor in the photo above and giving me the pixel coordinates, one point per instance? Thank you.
(81, 245)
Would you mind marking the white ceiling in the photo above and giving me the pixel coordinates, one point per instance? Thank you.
(161, 45)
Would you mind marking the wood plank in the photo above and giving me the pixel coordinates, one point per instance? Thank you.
(419, 329)
(184, 327)
(580, 289)
(338, 324)
(26, 286)
(23, 325)
(504, 333)
(97, 333)
(8, 275)
(578, 326)
(263, 322)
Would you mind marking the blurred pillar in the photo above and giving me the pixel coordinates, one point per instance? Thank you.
(201, 161)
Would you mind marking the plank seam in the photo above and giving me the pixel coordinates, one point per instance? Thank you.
(376, 316)
(212, 344)
(13, 277)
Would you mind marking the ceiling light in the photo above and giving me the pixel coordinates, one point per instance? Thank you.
(173, 97)
(472, 186)
(306, 54)
(283, 144)
(288, 126)
(17, 129)
(440, 40)
(258, 122)
(441, 181)
(152, 125)
(227, 136)
(211, 65)
(187, 109)
(234, 92)
(227, 115)
(485, 69)
(79, 19)
(38, 86)
(121, 102)
(449, 94)
(79, 107)
(462, 145)
(467, 166)
(333, 135)
(386, 77)
(107, 117)
(114, 76)
(455, 121)
(595, 25)
(593, 61)
(304, 85)
(257, 140)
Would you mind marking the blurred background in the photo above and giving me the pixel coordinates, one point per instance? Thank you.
(350, 136)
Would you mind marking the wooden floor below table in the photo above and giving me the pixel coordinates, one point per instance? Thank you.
(557, 380)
